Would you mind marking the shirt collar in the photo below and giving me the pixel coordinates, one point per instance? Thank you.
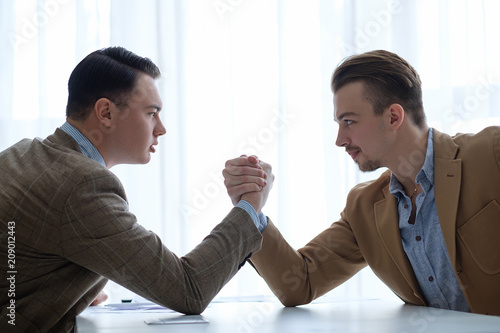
(86, 147)
(425, 177)
(427, 171)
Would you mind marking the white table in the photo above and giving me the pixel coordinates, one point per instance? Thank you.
(246, 316)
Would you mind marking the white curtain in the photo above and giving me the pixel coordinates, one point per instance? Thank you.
(248, 77)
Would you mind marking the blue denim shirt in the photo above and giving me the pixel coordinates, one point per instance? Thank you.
(423, 241)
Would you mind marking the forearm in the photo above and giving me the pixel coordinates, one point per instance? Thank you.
(299, 277)
(208, 267)
(189, 284)
(283, 268)
(136, 258)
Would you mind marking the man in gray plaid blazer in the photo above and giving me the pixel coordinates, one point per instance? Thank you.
(65, 224)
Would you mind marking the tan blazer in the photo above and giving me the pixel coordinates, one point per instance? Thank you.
(467, 190)
(73, 231)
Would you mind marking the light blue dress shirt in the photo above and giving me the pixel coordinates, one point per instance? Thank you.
(86, 147)
(259, 220)
(423, 241)
(89, 150)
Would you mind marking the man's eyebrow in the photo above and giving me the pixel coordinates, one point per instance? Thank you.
(154, 106)
(343, 115)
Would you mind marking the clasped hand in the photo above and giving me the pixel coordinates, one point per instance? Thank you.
(247, 178)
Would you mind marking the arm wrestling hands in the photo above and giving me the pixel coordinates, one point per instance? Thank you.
(247, 178)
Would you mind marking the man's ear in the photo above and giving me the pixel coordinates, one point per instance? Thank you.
(102, 110)
(397, 115)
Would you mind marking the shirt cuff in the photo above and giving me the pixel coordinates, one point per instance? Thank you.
(259, 220)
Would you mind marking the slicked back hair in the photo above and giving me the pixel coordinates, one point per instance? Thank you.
(110, 73)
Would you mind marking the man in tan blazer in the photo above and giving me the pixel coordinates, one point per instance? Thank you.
(64, 217)
(428, 227)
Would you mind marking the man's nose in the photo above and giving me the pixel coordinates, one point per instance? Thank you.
(342, 140)
(159, 129)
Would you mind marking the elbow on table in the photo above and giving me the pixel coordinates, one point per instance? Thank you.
(291, 304)
(193, 307)
(292, 300)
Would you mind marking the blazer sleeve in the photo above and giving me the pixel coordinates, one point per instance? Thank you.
(102, 235)
(299, 276)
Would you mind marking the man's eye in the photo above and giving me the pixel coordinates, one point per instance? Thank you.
(348, 121)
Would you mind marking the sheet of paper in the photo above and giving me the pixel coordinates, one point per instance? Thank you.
(135, 307)
(186, 319)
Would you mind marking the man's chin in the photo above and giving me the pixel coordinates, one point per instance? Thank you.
(368, 166)
(146, 160)
(143, 160)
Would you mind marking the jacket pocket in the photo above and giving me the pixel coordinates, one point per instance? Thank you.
(481, 237)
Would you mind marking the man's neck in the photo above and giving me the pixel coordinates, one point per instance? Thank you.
(93, 134)
(409, 157)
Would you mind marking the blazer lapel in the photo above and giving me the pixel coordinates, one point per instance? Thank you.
(447, 181)
(386, 219)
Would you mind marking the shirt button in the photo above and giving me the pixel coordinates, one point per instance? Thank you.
(418, 238)
(406, 206)
(431, 279)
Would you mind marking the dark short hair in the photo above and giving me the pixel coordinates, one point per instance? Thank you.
(111, 73)
(387, 79)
